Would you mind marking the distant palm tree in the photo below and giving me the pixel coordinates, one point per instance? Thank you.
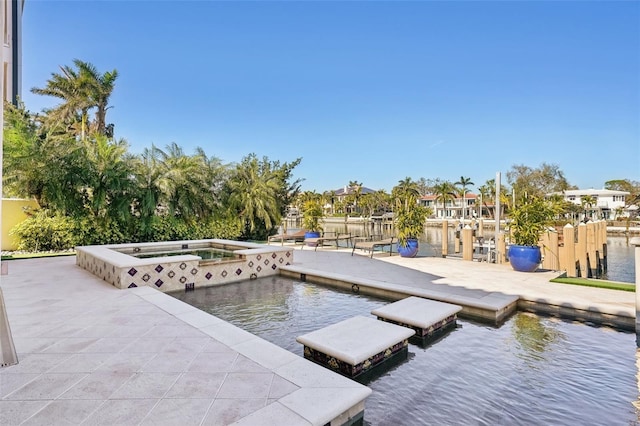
(487, 193)
(464, 183)
(405, 190)
(355, 188)
(444, 192)
(588, 202)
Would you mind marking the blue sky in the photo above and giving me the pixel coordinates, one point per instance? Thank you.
(366, 91)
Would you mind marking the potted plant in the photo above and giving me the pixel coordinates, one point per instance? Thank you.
(311, 215)
(410, 218)
(528, 221)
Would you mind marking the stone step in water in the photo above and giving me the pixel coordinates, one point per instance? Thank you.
(427, 318)
(356, 345)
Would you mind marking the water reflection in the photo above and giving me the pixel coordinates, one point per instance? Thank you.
(533, 336)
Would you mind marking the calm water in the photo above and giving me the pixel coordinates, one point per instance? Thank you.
(205, 254)
(620, 253)
(530, 371)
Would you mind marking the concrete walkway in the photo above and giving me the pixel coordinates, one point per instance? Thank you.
(456, 278)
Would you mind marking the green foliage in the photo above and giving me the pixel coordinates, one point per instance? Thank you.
(257, 191)
(529, 220)
(537, 182)
(95, 231)
(45, 231)
(72, 166)
(311, 215)
(80, 89)
(171, 228)
(410, 219)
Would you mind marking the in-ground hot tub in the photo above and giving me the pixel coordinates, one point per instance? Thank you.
(176, 265)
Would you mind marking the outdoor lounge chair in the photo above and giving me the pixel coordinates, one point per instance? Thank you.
(371, 245)
(296, 237)
(334, 237)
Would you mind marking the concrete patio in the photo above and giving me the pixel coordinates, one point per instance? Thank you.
(93, 354)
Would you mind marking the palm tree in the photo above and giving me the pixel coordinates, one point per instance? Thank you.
(463, 183)
(98, 87)
(66, 86)
(587, 202)
(189, 195)
(252, 194)
(80, 90)
(444, 192)
(406, 188)
(51, 168)
(355, 188)
(109, 181)
(487, 192)
(152, 187)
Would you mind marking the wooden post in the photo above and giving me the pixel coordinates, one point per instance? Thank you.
(445, 238)
(467, 243)
(501, 249)
(603, 247)
(569, 257)
(581, 250)
(592, 250)
(550, 251)
(597, 238)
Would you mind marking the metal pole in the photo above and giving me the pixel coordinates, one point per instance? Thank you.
(497, 207)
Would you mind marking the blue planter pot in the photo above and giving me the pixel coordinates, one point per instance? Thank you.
(411, 249)
(524, 258)
(311, 235)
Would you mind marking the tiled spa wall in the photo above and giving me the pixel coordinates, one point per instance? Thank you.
(185, 271)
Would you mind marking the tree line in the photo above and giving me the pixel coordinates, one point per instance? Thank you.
(92, 190)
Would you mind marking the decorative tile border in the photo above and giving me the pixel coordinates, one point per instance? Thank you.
(181, 272)
(350, 370)
(425, 333)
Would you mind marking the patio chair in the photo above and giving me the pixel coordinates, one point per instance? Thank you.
(371, 245)
(296, 237)
(329, 237)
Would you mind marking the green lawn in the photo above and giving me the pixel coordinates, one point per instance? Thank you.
(612, 285)
(16, 256)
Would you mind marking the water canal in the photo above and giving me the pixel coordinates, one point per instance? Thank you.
(532, 370)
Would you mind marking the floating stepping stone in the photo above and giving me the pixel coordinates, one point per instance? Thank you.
(356, 345)
(427, 317)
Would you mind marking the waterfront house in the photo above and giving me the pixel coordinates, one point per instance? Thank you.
(599, 203)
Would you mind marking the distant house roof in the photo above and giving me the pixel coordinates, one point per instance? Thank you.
(468, 196)
(592, 192)
(347, 190)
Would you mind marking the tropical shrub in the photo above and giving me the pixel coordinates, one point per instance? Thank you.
(44, 231)
(311, 215)
(529, 220)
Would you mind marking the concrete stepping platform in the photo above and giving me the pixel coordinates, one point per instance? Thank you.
(427, 318)
(355, 346)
